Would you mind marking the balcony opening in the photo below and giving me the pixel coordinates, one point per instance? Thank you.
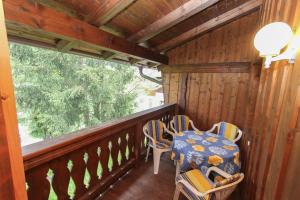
(58, 93)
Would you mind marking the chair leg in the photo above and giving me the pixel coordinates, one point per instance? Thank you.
(176, 193)
(156, 159)
(147, 155)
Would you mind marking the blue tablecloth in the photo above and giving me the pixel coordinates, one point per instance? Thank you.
(196, 149)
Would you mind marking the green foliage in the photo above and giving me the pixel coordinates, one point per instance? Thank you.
(59, 93)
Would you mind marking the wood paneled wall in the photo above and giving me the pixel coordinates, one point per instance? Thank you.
(209, 97)
(230, 43)
(201, 78)
(274, 169)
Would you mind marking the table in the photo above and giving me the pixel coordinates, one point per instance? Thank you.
(197, 149)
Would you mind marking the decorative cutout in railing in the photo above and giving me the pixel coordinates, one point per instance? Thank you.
(83, 164)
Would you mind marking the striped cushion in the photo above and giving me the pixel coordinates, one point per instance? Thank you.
(181, 123)
(228, 130)
(156, 130)
(199, 181)
(229, 180)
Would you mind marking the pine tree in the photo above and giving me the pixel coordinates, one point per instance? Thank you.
(59, 93)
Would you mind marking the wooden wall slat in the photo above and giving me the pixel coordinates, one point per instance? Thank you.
(173, 91)
(276, 116)
(193, 95)
(166, 88)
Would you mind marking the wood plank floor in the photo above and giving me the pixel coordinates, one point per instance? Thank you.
(141, 183)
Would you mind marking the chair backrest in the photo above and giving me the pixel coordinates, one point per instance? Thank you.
(225, 187)
(181, 123)
(227, 130)
(155, 129)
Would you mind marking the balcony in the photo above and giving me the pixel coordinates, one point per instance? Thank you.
(85, 164)
(210, 69)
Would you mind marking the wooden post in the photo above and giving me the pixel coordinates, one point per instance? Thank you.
(137, 142)
(12, 184)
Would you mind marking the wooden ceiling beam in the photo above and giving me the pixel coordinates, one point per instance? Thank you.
(180, 14)
(107, 55)
(109, 10)
(59, 7)
(225, 67)
(209, 25)
(113, 30)
(133, 61)
(151, 64)
(65, 46)
(46, 20)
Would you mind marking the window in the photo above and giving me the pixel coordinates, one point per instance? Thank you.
(58, 93)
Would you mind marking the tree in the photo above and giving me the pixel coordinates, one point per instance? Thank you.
(59, 92)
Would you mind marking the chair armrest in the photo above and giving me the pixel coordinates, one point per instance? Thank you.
(168, 131)
(225, 186)
(240, 133)
(219, 171)
(148, 136)
(213, 128)
(172, 125)
(193, 126)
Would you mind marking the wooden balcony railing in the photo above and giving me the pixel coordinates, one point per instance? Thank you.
(83, 164)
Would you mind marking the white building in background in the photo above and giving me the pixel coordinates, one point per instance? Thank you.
(25, 137)
(145, 101)
(150, 94)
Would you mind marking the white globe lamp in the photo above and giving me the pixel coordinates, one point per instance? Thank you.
(270, 39)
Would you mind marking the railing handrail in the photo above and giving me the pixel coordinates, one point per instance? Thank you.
(47, 150)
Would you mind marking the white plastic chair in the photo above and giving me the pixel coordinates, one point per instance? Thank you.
(184, 120)
(221, 192)
(156, 141)
(226, 129)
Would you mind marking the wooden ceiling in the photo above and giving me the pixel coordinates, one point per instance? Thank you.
(134, 31)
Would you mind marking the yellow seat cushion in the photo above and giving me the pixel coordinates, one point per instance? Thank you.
(199, 181)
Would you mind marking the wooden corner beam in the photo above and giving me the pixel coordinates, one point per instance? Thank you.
(180, 14)
(12, 176)
(49, 21)
(209, 25)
